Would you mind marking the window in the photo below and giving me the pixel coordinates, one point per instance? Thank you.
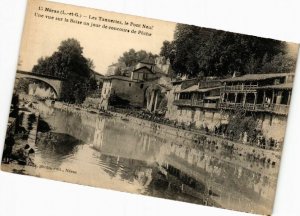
(142, 86)
(129, 84)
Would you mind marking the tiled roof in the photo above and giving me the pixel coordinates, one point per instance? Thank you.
(195, 88)
(119, 78)
(280, 86)
(255, 77)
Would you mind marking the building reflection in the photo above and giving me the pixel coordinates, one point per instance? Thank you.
(171, 167)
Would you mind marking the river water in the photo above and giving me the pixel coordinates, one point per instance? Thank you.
(112, 153)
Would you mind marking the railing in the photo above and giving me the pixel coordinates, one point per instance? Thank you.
(198, 103)
(181, 102)
(194, 103)
(275, 108)
(249, 106)
(231, 105)
(240, 88)
(211, 105)
(281, 108)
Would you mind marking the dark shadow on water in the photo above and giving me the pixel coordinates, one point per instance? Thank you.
(43, 126)
(55, 147)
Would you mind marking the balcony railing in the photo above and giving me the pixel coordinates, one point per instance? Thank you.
(275, 108)
(240, 88)
(181, 102)
(231, 105)
(194, 103)
(198, 103)
(210, 105)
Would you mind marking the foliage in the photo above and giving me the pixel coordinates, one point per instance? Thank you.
(132, 57)
(196, 51)
(68, 62)
(279, 64)
(163, 105)
(22, 86)
(240, 123)
(168, 50)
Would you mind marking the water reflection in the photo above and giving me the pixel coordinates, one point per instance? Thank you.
(112, 153)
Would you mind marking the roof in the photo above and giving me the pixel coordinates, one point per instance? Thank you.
(119, 78)
(195, 88)
(180, 81)
(144, 67)
(190, 89)
(279, 86)
(254, 77)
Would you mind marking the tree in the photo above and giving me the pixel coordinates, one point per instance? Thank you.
(132, 57)
(22, 86)
(167, 50)
(68, 62)
(279, 64)
(197, 50)
(240, 123)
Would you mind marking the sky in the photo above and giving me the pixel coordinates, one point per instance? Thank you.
(42, 36)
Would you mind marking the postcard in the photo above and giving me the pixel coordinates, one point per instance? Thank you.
(149, 107)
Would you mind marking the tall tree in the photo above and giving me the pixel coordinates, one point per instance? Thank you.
(68, 62)
(132, 57)
(197, 51)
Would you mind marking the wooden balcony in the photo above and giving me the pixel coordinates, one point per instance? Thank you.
(229, 105)
(211, 105)
(276, 108)
(195, 103)
(183, 102)
(240, 88)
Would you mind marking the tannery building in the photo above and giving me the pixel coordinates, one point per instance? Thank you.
(209, 102)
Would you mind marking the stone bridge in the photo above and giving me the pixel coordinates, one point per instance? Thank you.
(54, 82)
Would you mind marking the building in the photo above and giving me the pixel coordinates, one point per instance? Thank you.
(209, 102)
(195, 102)
(266, 95)
(115, 69)
(143, 86)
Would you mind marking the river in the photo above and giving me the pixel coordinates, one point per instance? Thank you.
(109, 152)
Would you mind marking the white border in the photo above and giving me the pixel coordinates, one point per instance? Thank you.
(22, 195)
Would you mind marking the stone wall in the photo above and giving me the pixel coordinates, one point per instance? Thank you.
(128, 90)
(273, 125)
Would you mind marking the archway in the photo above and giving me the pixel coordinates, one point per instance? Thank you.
(36, 87)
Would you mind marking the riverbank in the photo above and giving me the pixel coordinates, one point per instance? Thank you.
(253, 153)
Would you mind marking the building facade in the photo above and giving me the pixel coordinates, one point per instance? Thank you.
(207, 103)
(142, 87)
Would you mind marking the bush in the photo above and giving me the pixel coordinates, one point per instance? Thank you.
(240, 123)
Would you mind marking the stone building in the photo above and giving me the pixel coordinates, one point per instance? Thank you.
(137, 86)
(266, 95)
(208, 103)
(195, 102)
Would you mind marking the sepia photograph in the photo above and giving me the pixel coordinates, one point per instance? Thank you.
(149, 107)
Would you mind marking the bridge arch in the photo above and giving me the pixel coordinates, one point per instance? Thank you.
(54, 83)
